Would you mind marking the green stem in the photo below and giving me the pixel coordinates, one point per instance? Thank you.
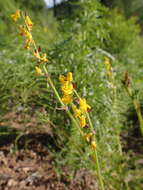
(95, 151)
(96, 155)
(99, 170)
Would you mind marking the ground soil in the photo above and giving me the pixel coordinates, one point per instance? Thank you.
(33, 170)
(27, 164)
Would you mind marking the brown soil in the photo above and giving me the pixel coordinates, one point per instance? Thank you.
(32, 167)
(132, 143)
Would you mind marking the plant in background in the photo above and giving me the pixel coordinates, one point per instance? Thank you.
(76, 107)
(112, 85)
(133, 95)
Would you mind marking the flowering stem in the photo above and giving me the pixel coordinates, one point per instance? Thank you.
(95, 151)
(96, 155)
(99, 170)
(49, 81)
(77, 125)
(59, 99)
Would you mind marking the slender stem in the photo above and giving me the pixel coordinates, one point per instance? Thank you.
(96, 155)
(99, 170)
(95, 151)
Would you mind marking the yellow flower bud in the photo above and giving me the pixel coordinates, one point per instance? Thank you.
(67, 88)
(28, 35)
(83, 105)
(16, 16)
(36, 54)
(39, 71)
(43, 58)
(107, 61)
(28, 43)
(40, 58)
(88, 137)
(77, 112)
(23, 31)
(69, 77)
(62, 79)
(93, 144)
(67, 99)
(29, 22)
(82, 121)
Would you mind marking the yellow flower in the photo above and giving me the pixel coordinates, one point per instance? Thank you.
(28, 43)
(69, 77)
(39, 71)
(82, 121)
(83, 105)
(29, 40)
(64, 79)
(88, 137)
(42, 58)
(67, 99)
(77, 112)
(36, 54)
(29, 22)
(16, 16)
(67, 88)
(107, 61)
(23, 31)
(28, 36)
(93, 144)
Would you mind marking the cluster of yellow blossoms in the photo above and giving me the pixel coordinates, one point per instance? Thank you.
(67, 87)
(25, 30)
(88, 137)
(41, 58)
(80, 112)
(16, 15)
(28, 36)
